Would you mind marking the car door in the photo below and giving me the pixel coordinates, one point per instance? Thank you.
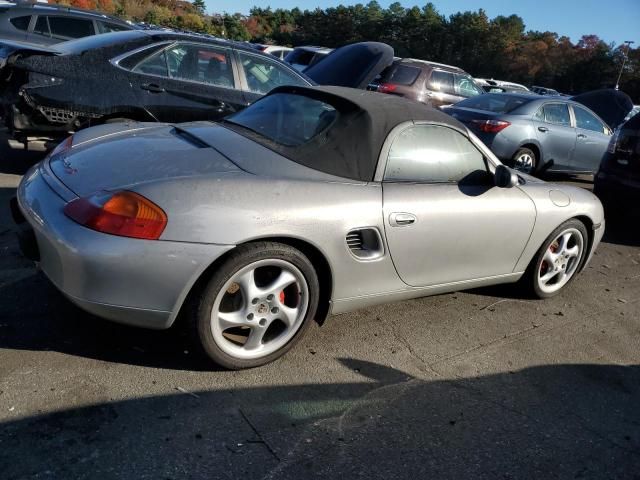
(445, 221)
(260, 74)
(187, 82)
(441, 89)
(555, 133)
(592, 139)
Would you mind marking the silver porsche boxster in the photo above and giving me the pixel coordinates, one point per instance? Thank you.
(312, 201)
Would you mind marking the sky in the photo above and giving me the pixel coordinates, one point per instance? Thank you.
(613, 20)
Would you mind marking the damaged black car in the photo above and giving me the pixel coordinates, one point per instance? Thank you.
(48, 92)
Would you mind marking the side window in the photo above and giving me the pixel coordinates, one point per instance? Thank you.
(154, 65)
(42, 26)
(21, 23)
(68, 27)
(557, 113)
(587, 121)
(441, 81)
(434, 154)
(466, 87)
(263, 74)
(202, 64)
(104, 27)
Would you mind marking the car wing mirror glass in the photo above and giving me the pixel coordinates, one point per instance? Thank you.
(504, 177)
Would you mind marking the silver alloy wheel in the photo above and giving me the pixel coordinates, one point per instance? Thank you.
(262, 319)
(560, 260)
(524, 163)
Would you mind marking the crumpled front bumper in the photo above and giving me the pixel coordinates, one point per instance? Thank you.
(130, 281)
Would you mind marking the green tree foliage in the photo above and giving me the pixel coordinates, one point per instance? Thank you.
(494, 48)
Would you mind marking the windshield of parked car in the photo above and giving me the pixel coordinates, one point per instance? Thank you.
(494, 102)
(286, 119)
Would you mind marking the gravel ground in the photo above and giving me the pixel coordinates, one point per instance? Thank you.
(480, 384)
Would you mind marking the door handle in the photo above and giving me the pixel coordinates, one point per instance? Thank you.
(582, 135)
(152, 87)
(543, 129)
(401, 219)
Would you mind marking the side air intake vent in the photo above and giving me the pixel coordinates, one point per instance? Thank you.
(354, 240)
(365, 243)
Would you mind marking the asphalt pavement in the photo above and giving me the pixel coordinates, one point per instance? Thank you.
(481, 384)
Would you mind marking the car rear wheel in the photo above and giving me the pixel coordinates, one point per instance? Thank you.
(257, 305)
(559, 259)
(524, 160)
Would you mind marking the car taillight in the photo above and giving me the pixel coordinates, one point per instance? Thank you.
(387, 87)
(122, 213)
(613, 143)
(490, 126)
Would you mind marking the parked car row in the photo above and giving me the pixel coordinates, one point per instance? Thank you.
(49, 92)
(298, 145)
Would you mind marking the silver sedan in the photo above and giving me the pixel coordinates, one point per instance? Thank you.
(312, 201)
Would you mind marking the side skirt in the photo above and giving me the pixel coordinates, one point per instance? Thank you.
(345, 305)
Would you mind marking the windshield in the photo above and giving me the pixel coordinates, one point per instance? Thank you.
(494, 102)
(286, 119)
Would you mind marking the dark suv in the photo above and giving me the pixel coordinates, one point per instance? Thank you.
(617, 183)
(433, 83)
(49, 24)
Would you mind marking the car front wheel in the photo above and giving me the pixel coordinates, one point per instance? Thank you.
(256, 306)
(559, 259)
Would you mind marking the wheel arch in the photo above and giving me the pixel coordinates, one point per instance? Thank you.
(312, 252)
(588, 223)
(534, 146)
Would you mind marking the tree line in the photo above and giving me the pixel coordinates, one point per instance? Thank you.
(499, 47)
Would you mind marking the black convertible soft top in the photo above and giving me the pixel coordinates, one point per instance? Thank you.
(351, 146)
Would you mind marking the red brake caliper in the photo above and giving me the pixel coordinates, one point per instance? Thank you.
(282, 297)
(544, 266)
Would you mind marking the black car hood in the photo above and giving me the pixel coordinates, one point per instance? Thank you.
(354, 65)
(612, 106)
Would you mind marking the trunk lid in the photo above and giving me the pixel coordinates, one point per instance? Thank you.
(354, 65)
(114, 157)
(610, 105)
(8, 48)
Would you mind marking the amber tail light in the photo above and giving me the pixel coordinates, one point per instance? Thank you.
(122, 213)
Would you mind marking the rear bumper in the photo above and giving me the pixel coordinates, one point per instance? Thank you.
(616, 190)
(130, 281)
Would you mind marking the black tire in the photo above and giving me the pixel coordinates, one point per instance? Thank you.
(199, 316)
(522, 153)
(531, 276)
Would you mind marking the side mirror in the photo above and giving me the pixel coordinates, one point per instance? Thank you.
(505, 177)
